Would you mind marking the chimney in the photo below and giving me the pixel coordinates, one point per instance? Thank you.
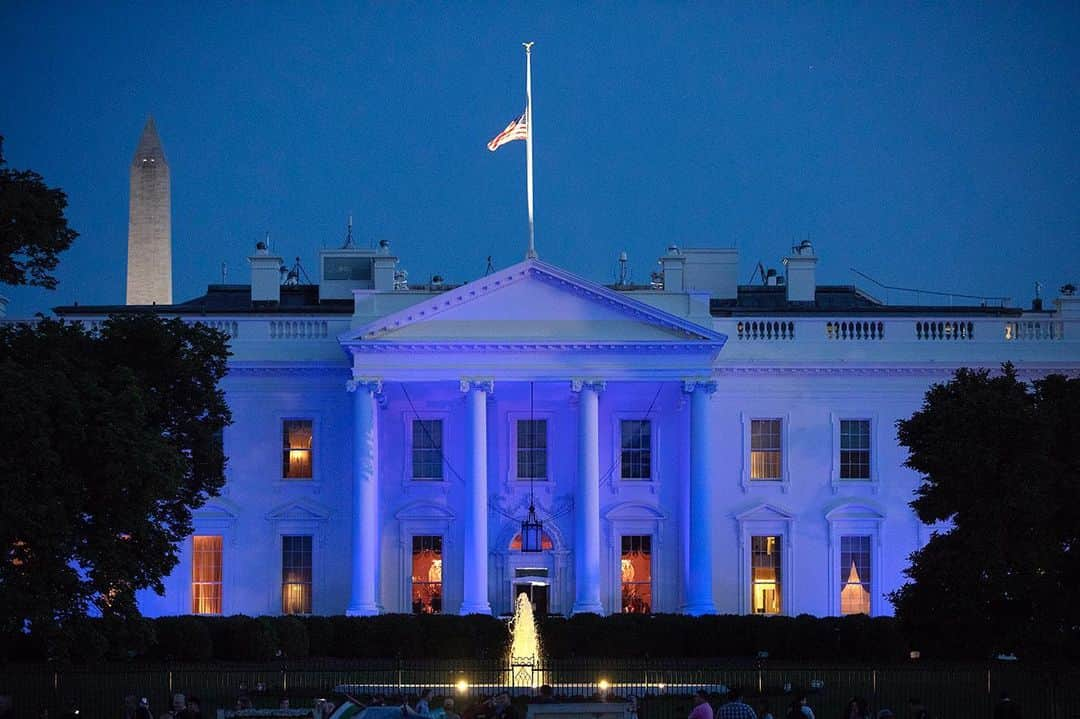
(265, 276)
(672, 265)
(1067, 304)
(800, 270)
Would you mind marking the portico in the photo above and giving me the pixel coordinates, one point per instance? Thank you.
(590, 351)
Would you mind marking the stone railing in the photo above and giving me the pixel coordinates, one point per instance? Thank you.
(765, 330)
(1034, 330)
(976, 339)
(299, 329)
(854, 330)
(944, 330)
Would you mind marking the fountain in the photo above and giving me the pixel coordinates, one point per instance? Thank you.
(524, 656)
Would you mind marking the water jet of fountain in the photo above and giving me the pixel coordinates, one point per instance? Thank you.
(524, 645)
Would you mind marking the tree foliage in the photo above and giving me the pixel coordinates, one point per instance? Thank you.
(1000, 461)
(111, 438)
(33, 229)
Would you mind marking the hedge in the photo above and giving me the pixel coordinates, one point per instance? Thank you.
(241, 638)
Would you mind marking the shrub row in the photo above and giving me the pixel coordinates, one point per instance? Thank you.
(242, 638)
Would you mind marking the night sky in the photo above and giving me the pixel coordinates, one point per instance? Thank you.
(933, 147)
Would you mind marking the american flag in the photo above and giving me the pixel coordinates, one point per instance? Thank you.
(516, 130)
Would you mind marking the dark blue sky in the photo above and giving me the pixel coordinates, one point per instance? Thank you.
(936, 147)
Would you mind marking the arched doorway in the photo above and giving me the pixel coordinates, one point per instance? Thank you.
(531, 573)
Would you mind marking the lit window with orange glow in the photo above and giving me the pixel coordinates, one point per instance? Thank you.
(635, 566)
(296, 575)
(545, 543)
(854, 575)
(296, 453)
(765, 450)
(765, 592)
(206, 574)
(427, 573)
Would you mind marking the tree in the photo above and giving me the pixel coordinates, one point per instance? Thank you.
(111, 439)
(33, 229)
(1000, 461)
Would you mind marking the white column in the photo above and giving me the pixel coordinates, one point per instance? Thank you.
(587, 501)
(475, 560)
(699, 581)
(363, 598)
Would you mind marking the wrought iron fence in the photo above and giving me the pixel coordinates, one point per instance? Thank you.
(663, 687)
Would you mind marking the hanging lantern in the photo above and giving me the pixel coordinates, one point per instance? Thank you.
(532, 532)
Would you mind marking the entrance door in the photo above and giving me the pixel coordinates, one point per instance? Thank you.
(537, 594)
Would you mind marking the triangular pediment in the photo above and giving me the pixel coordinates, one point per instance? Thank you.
(300, 510)
(217, 509)
(533, 303)
(765, 512)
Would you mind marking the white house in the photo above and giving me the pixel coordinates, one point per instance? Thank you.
(690, 446)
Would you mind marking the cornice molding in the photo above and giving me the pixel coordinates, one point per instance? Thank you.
(1024, 372)
(377, 347)
(692, 332)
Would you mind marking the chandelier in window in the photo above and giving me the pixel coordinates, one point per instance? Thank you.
(532, 529)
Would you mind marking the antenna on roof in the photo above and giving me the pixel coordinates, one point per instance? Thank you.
(490, 267)
(268, 239)
(292, 277)
(224, 271)
(348, 236)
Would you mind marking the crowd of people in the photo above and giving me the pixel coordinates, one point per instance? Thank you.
(731, 705)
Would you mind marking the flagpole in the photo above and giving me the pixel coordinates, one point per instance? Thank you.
(531, 254)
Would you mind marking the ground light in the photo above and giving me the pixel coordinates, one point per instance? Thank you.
(603, 685)
(462, 686)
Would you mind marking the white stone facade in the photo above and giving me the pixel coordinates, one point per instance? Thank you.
(590, 358)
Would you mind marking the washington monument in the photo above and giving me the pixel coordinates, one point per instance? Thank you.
(149, 266)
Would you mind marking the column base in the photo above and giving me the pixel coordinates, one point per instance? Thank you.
(478, 608)
(362, 611)
(697, 610)
(588, 608)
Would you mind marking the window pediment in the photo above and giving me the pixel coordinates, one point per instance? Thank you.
(300, 510)
(634, 511)
(424, 511)
(218, 509)
(765, 512)
(860, 510)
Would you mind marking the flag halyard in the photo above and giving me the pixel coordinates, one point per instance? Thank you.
(517, 130)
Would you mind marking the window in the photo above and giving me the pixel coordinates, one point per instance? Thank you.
(347, 268)
(545, 542)
(636, 453)
(532, 449)
(636, 568)
(765, 451)
(854, 449)
(296, 575)
(206, 574)
(855, 575)
(426, 575)
(427, 449)
(296, 453)
(765, 572)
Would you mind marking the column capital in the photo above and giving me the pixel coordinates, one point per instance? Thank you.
(365, 384)
(485, 384)
(706, 385)
(578, 384)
